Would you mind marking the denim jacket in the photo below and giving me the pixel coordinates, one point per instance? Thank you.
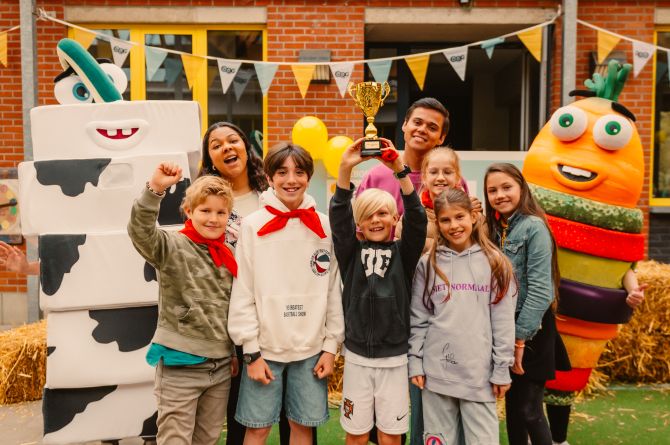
(528, 245)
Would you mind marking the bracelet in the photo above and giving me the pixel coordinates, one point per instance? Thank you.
(519, 345)
(154, 191)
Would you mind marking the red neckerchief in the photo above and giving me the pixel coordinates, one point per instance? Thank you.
(308, 217)
(425, 199)
(221, 254)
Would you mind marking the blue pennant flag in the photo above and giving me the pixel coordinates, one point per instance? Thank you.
(266, 73)
(380, 69)
(489, 45)
(154, 58)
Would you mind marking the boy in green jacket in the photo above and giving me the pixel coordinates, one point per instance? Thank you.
(191, 347)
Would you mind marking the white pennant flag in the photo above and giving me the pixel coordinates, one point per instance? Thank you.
(120, 51)
(342, 74)
(227, 71)
(458, 58)
(642, 52)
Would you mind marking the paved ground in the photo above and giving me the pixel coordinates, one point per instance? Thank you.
(21, 424)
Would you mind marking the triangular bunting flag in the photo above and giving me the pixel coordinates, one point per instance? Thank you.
(84, 38)
(418, 65)
(154, 58)
(606, 43)
(266, 73)
(533, 41)
(193, 66)
(380, 69)
(240, 82)
(3, 49)
(227, 71)
(458, 58)
(172, 70)
(642, 52)
(120, 51)
(489, 45)
(342, 74)
(303, 76)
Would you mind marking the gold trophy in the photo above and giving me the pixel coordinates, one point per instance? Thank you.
(369, 96)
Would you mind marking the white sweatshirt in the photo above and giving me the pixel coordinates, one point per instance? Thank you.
(286, 300)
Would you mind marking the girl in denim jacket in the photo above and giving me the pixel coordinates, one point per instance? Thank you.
(518, 225)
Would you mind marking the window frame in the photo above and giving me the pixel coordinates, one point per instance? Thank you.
(653, 201)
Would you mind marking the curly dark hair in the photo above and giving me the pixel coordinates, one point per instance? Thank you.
(257, 180)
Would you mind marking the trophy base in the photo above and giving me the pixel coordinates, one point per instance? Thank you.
(371, 147)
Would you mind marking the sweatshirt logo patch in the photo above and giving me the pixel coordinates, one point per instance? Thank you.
(434, 439)
(320, 262)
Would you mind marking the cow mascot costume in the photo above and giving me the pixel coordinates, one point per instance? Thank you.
(586, 169)
(92, 155)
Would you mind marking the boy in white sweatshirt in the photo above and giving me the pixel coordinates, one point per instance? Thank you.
(286, 305)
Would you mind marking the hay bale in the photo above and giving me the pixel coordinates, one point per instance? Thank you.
(335, 383)
(641, 351)
(23, 357)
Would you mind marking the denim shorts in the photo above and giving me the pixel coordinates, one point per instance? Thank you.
(305, 399)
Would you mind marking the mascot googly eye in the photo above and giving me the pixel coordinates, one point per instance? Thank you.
(71, 90)
(117, 76)
(568, 123)
(612, 132)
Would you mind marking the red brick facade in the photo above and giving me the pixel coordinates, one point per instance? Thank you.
(340, 27)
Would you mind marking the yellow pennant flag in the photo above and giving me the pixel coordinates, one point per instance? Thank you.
(606, 43)
(303, 75)
(193, 65)
(3, 49)
(419, 67)
(533, 41)
(85, 38)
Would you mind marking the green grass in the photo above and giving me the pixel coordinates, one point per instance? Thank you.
(627, 415)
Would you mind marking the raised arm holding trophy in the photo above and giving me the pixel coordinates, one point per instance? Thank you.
(369, 96)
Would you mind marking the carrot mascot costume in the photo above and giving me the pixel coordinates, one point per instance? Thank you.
(586, 169)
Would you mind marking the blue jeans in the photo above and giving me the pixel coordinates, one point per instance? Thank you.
(306, 399)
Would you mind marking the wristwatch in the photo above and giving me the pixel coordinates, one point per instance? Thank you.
(250, 358)
(402, 173)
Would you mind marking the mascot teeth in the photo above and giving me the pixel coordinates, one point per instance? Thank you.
(575, 173)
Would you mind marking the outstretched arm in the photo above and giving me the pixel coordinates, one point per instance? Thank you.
(14, 260)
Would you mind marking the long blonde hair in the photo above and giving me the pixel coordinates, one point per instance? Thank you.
(502, 272)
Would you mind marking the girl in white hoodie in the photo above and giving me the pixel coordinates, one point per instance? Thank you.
(462, 326)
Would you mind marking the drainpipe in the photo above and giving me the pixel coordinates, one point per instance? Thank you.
(568, 77)
(27, 9)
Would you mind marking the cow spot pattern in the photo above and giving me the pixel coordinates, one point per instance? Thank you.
(130, 328)
(58, 253)
(71, 175)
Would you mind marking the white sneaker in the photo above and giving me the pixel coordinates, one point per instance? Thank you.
(565, 442)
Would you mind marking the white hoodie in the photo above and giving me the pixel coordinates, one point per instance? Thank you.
(286, 300)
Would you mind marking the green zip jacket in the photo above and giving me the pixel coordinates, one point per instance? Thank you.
(193, 293)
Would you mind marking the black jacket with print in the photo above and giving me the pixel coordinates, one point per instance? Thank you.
(377, 278)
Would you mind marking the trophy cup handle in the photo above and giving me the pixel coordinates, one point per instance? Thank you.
(386, 89)
(351, 88)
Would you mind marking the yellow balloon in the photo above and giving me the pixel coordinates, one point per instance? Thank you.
(332, 153)
(311, 134)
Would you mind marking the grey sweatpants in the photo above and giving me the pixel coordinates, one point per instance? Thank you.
(442, 414)
(192, 402)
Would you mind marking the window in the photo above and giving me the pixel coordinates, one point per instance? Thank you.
(496, 108)
(660, 186)
(243, 103)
